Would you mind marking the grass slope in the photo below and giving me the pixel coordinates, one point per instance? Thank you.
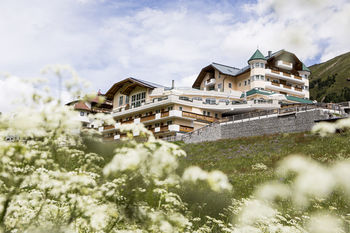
(237, 157)
(328, 80)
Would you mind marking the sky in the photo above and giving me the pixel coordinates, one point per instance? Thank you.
(106, 41)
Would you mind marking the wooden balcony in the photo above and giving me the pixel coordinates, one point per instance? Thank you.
(286, 74)
(198, 116)
(285, 86)
(297, 77)
(275, 71)
(148, 118)
(275, 84)
(186, 128)
(298, 89)
(165, 114)
(128, 122)
(108, 127)
(287, 63)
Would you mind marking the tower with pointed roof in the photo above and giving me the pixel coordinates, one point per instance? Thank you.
(257, 63)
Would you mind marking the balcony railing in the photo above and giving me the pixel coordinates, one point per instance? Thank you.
(284, 65)
(285, 76)
(285, 88)
(210, 82)
(165, 114)
(198, 116)
(186, 128)
(148, 118)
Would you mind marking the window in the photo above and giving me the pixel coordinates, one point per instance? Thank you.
(262, 77)
(219, 76)
(248, 81)
(239, 84)
(184, 98)
(170, 108)
(157, 125)
(137, 99)
(229, 85)
(256, 64)
(81, 113)
(204, 113)
(268, 79)
(158, 111)
(210, 101)
(219, 86)
(120, 100)
(127, 99)
(257, 77)
(197, 98)
(245, 82)
(262, 65)
(180, 108)
(169, 122)
(208, 113)
(216, 115)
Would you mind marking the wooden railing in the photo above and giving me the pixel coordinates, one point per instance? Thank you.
(274, 71)
(286, 63)
(165, 114)
(286, 74)
(298, 89)
(275, 84)
(186, 128)
(285, 86)
(297, 77)
(128, 122)
(148, 118)
(198, 116)
(108, 127)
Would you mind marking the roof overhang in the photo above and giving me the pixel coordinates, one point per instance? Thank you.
(286, 56)
(126, 86)
(201, 76)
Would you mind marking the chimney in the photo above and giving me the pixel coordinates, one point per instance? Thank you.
(172, 84)
(270, 53)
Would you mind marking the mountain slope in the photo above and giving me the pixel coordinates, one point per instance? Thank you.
(330, 81)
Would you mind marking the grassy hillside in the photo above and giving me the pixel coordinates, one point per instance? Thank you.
(329, 80)
(243, 159)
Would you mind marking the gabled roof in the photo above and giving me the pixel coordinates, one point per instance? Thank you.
(229, 70)
(129, 84)
(223, 69)
(257, 56)
(81, 106)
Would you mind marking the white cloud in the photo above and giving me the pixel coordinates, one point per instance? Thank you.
(106, 42)
(13, 90)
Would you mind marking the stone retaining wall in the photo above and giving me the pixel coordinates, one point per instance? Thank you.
(293, 122)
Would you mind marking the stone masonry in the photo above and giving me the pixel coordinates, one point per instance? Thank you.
(288, 123)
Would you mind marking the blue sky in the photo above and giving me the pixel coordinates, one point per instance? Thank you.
(108, 40)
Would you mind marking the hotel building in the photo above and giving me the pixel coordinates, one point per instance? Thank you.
(86, 110)
(266, 83)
